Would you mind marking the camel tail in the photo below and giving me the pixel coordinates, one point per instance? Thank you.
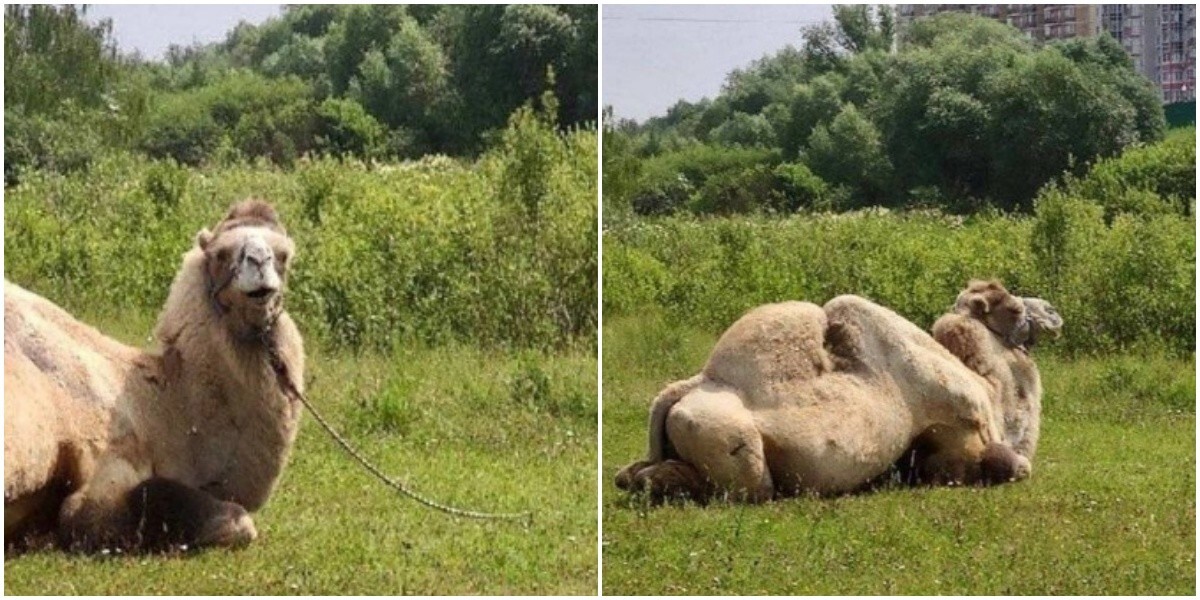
(658, 447)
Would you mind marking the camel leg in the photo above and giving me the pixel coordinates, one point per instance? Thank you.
(170, 514)
(672, 479)
(959, 457)
(119, 508)
(627, 475)
(712, 431)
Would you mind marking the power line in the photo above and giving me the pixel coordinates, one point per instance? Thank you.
(697, 20)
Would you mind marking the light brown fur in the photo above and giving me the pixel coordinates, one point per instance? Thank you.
(980, 331)
(87, 419)
(798, 398)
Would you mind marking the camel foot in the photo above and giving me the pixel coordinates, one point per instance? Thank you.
(171, 515)
(625, 477)
(672, 480)
(1001, 464)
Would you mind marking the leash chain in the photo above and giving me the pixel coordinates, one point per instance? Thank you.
(290, 389)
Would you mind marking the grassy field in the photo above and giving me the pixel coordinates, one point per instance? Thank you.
(1110, 508)
(488, 431)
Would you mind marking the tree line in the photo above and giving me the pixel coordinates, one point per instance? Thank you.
(373, 82)
(954, 111)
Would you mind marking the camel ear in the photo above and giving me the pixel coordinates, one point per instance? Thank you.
(203, 238)
(978, 304)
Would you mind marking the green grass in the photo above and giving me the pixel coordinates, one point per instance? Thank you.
(487, 431)
(1110, 508)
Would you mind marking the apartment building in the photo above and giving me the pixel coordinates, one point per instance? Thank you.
(1177, 52)
(1160, 38)
(1041, 22)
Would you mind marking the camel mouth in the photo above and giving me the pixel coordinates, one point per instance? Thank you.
(261, 294)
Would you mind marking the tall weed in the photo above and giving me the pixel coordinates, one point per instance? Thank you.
(434, 250)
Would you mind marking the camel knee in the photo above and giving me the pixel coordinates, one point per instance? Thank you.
(169, 514)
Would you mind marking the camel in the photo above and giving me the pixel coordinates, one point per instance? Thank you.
(798, 398)
(107, 446)
(971, 332)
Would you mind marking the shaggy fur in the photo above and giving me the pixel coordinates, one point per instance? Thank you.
(88, 420)
(974, 331)
(798, 398)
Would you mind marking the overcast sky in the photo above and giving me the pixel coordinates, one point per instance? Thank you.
(151, 28)
(656, 54)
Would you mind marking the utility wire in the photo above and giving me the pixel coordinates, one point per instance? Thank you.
(698, 20)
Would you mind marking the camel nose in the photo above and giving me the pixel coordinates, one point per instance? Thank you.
(257, 254)
(257, 277)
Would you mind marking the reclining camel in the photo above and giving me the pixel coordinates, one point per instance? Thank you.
(797, 398)
(113, 447)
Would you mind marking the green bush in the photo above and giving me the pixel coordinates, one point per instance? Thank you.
(182, 130)
(430, 251)
(737, 192)
(346, 129)
(800, 187)
(668, 181)
(1119, 287)
(256, 116)
(1148, 179)
(65, 144)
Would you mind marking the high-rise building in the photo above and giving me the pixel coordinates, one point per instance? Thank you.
(1040, 22)
(1160, 38)
(1177, 52)
(1136, 27)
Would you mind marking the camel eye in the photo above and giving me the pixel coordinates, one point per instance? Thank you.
(281, 257)
(223, 255)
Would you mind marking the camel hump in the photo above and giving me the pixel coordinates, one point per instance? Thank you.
(252, 212)
(771, 344)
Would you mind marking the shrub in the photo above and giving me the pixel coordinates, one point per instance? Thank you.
(344, 128)
(257, 116)
(800, 187)
(181, 130)
(737, 192)
(1119, 287)
(431, 251)
(1148, 179)
(668, 181)
(64, 144)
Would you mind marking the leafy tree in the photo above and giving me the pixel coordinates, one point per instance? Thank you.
(849, 151)
(812, 104)
(767, 80)
(745, 130)
(855, 29)
(404, 85)
(346, 128)
(51, 55)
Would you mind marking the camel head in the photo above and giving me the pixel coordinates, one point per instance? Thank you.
(1042, 318)
(246, 258)
(1002, 312)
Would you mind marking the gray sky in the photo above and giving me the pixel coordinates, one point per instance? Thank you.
(656, 54)
(151, 28)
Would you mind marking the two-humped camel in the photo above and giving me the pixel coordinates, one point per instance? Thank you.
(110, 446)
(798, 398)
